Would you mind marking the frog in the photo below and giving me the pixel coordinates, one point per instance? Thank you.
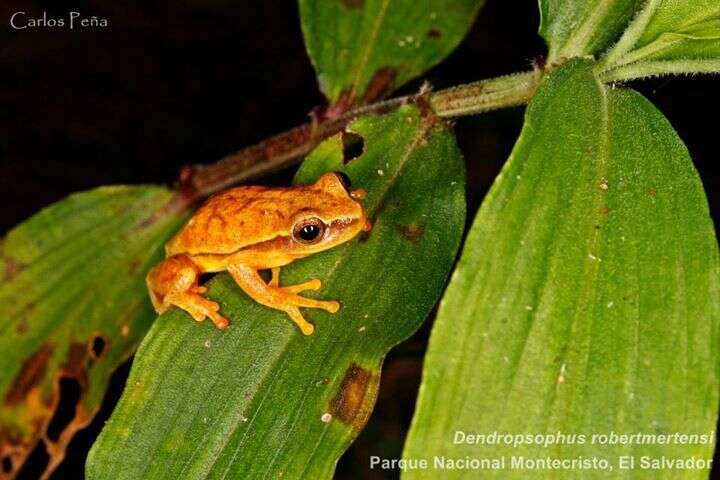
(249, 229)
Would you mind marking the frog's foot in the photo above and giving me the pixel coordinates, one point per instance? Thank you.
(174, 282)
(274, 282)
(305, 327)
(313, 284)
(281, 298)
(292, 298)
(198, 307)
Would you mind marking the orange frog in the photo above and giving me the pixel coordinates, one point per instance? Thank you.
(247, 229)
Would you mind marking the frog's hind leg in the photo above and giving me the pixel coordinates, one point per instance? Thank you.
(280, 298)
(174, 282)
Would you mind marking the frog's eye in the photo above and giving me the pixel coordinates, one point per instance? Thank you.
(309, 230)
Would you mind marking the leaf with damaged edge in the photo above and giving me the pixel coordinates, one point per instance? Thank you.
(260, 399)
(668, 37)
(73, 306)
(575, 28)
(586, 299)
(363, 49)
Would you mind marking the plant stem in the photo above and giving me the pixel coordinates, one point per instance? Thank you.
(277, 152)
(485, 95)
(287, 148)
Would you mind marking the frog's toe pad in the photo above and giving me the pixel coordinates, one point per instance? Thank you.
(307, 329)
(332, 306)
(221, 322)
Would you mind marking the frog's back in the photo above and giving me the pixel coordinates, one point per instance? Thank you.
(234, 219)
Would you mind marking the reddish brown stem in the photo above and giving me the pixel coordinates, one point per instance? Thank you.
(275, 153)
(285, 149)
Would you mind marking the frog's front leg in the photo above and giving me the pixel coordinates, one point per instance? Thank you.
(175, 282)
(281, 298)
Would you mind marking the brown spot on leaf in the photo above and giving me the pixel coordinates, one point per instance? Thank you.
(49, 430)
(17, 444)
(12, 269)
(412, 232)
(434, 33)
(381, 83)
(652, 192)
(352, 404)
(31, 374)
(604, 210)
(75, 365)
(353, 4)
(11, 458)
(134, 266)
(22, 325)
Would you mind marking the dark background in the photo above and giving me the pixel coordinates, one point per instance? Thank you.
(171, 83)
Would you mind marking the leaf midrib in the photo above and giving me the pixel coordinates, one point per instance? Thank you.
(370, 45)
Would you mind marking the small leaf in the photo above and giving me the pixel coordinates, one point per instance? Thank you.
(262, 400)
(363, 49)
(668, 37)
(586, 300)
(73, 306)
(576, 28)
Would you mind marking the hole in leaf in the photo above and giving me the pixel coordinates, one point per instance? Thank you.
(353, 146)
(74, 462)
(97, 346)
(65, 412)
(7, 464)
(35, 463)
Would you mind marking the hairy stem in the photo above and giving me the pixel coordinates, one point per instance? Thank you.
(485, 95)
(288, 148)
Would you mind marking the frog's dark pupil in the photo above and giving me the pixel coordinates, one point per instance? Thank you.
(309, 232)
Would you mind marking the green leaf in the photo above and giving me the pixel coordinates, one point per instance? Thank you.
(73, 305)
(586, 298)
(260, 399)
(668, 37)
(576, 28)
(363, 49)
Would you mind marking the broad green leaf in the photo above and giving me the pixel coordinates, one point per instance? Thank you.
(681, 36)
(363, 49)
(262, 400)
(576, 28)
(73, 305)
(586, 299)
